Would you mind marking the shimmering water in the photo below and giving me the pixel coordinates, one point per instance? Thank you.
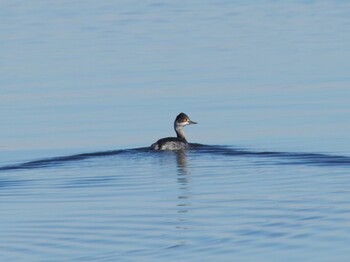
(87, 86)
(208, 202)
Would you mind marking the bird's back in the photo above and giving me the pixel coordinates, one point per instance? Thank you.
(170, 143)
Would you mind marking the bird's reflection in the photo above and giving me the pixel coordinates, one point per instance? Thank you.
(181, 159)
(183, 180)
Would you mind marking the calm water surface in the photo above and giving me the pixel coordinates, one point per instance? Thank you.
(87, 86)
(208, 202)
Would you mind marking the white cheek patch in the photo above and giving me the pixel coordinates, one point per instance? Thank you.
(184, 123)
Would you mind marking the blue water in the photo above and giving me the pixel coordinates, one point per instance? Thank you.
(87, 86)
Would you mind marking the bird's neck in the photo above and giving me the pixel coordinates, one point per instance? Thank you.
(180, 132)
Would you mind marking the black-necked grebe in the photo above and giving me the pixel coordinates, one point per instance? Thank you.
(175, 143)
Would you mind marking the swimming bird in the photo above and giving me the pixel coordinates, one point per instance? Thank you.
(175, 143)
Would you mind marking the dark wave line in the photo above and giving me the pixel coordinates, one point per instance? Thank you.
(290, 158)
(47, 162)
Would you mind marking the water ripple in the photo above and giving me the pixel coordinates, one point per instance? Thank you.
(289, 158)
